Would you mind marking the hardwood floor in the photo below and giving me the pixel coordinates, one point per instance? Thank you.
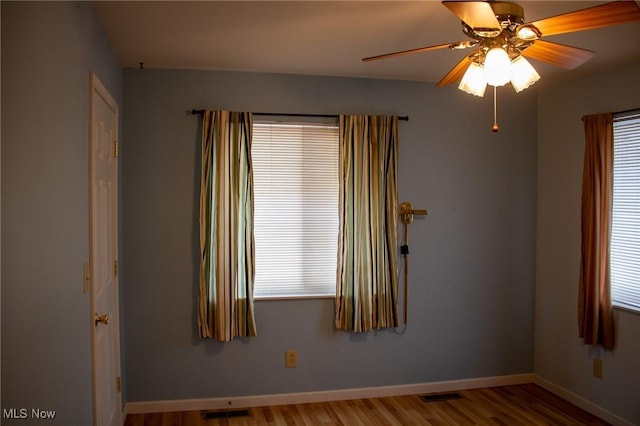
(526, 404)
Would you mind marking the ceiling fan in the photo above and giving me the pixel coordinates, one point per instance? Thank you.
(501, 40)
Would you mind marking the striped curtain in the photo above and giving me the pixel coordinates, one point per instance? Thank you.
(367, 281)
(226, 227)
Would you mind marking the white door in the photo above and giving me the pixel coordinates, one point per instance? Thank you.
(103, 257)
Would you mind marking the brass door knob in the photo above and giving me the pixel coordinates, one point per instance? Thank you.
(104, 319)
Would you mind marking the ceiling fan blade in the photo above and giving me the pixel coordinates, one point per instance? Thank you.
(408, 52)
(604, 15)
(456, 73)
(477, 14)
(561, 55)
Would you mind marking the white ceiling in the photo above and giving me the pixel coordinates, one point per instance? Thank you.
(325, 37)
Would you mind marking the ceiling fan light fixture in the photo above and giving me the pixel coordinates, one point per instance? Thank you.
(528, 32)
(523, 74)
(497, 67)
(474, 80)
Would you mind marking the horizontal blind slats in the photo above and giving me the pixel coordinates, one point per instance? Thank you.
(295, 172)
(625, 228)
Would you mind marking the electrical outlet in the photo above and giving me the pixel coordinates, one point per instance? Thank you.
(597, 368)
(290, 358)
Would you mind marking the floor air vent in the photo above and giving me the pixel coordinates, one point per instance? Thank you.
(440, 397)
(225, 414)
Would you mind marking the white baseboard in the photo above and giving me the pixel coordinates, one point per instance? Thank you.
(143, 407)
(581, 402)
(322, 396)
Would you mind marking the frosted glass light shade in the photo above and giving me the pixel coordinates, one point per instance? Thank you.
(523, 74)
(474, 81)
(497, 67)
(528, 32)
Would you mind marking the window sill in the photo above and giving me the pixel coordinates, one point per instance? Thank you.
(625, 309)
(268, 298)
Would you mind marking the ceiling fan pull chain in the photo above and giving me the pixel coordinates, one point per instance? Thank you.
(495, 127)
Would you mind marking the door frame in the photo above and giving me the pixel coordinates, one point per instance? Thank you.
(98, 89)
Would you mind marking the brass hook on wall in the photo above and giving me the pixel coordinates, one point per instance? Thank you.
(407, 211)
(406, 217)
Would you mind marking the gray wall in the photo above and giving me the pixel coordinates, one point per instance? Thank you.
(471, 263)
(560, 356)
(48, 50)
(472, 259)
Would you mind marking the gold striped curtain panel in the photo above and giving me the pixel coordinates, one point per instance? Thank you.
(225, 306)
(367, 280)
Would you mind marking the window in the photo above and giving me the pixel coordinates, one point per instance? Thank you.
(625, 228)
(295, 172)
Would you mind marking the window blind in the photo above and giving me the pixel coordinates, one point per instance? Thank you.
(625, 229)
(295, 173)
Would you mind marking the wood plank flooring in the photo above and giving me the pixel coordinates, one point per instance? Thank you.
(526, 404)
